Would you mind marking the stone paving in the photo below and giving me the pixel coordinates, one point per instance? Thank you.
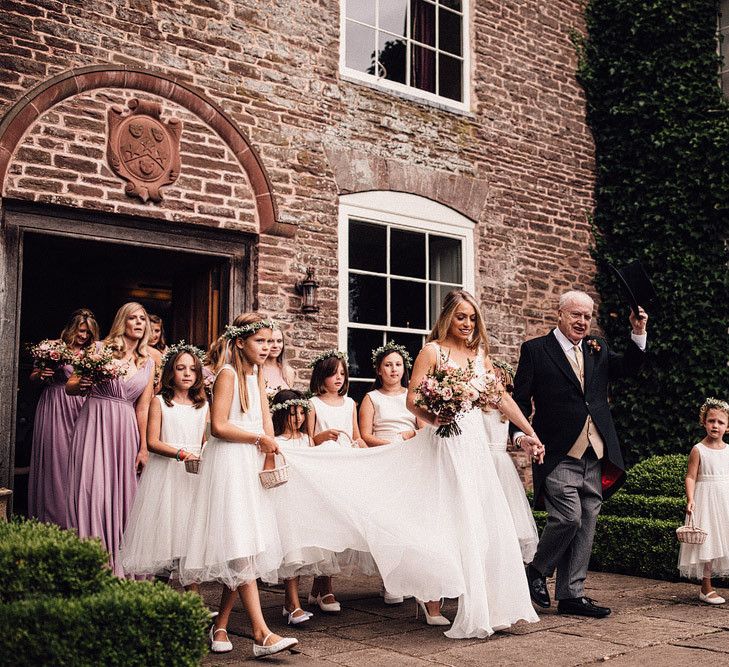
(654, 623)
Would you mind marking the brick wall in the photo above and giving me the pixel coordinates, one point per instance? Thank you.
(520, 164)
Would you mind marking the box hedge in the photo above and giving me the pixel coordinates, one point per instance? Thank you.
(658, 476)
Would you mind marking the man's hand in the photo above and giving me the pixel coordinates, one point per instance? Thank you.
(639, 322)
(533, 446)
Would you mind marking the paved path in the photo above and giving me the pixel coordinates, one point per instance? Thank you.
(653, 624)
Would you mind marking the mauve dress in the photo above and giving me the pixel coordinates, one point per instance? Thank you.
(102, 477)
(55, 417)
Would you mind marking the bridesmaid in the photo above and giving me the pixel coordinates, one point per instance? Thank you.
(157, 334)
(277, 374)
(109, 445)
(54, 419)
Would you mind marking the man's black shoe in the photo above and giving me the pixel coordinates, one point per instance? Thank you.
(537, 587)
(582, 607)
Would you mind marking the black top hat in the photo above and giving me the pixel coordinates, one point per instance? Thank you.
(637, 287)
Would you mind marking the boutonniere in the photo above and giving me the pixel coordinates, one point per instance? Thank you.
(593, 345)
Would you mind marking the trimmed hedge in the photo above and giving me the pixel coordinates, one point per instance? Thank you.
(663, 508)
(42, 559)
(129, 623)
(658, 476)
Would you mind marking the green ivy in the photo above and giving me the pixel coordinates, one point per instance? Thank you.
(661, 129)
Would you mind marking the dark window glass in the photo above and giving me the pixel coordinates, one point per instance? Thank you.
(367, 247)
(453, 4)
(444, 259)
(362, 10)
(393, 16)
(360, 42)
(367, 299)
(407, 301)
(358, 389)
(360, 343)
(407, 253)
(392, 59)
(422, 74)
(422, 22)
(437, 294)
(450, 81)
(413, 343)
(449, 32)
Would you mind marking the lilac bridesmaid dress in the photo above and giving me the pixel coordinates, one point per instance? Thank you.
(102, 477)
(55, 417)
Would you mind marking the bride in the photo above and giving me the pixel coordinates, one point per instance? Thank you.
(429, 510)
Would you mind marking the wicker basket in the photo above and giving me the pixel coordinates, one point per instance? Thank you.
(690, 534)
(193, 465)
(276, 477)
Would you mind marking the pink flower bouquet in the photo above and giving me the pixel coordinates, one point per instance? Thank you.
(98, 365)
(50, 354)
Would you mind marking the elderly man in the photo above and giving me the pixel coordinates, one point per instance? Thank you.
(564, 377)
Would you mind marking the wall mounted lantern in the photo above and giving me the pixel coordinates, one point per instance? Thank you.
(307, 289)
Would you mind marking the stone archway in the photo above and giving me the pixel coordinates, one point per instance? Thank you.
(36, 101)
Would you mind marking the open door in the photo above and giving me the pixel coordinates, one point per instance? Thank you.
(199, 312)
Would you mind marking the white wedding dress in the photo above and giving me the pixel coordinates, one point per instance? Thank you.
(429, 510)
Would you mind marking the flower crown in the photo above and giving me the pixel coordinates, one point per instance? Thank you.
(232, 332)
(303, 402)
(389, 347)
(712, 403)
(327, 355)
(182, 346)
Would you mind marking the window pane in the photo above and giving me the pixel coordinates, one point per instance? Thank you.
(393, 16)
(407, 253)
(423, 68)
(360, 42)
(422, 22)
(362, 10)
(357, 390)
(450, 82)
(453, 4)
(449, 31)
(413, 343)
(367, 247)
(391, 58)
(407, 304)
(367, 299)
(437, 294)
(445, 259)
(360, 343)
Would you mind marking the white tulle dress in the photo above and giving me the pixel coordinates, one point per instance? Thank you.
(431, 512)
(155, 534)
(232, 532)
(711, 512)
(497, 435)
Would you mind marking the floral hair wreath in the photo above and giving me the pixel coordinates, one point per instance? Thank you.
(327, 355)
(303, 402)
(712, 403)
(182, 346)
(232, 332)
(389, 347)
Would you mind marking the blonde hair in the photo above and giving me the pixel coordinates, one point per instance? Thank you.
(79, 317)
(281, 361)
(238, 358)
(712, 404)
(440, 329)
(115, 337)
(217, 354)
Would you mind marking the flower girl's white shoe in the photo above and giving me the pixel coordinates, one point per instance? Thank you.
(295, 620)
(712, 597)
(430, 620)
(283, 644)
(219, 646)
(331, 607)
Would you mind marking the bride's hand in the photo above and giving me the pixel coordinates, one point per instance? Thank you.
(533, 446)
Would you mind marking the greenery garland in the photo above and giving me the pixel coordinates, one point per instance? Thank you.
(660, 124)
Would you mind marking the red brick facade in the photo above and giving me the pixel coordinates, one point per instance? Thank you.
(519, 164)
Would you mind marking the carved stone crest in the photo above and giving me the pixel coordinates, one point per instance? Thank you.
(142, 149)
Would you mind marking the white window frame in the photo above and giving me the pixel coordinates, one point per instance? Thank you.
(402, 90)
(404, 211)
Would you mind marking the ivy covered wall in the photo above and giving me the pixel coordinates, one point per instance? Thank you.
(661, 128)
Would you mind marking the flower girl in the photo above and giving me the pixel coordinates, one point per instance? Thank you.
(497, 432)
(232, 533)
(707, 493)
(154, 537)
(288, 413)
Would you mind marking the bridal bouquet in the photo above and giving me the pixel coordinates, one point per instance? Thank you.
(448, 392)
(50, 354)
(98, 365)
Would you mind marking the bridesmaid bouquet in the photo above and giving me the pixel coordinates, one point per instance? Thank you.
(448, 392)
(50, 354)
(97, 365)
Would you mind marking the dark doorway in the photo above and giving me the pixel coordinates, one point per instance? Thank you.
(188, 290)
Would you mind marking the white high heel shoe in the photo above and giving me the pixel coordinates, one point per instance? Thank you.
(217, 646)
(295, 620)
(430, 620)
(283, 644)
(331, 607)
